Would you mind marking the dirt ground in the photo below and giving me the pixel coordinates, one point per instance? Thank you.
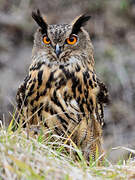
(112, 30)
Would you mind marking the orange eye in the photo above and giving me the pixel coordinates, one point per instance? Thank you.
(46, 40)
(72, 40)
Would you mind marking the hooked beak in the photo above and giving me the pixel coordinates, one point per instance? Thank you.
(57, 50)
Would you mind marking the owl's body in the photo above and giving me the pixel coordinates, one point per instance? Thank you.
(62, 91)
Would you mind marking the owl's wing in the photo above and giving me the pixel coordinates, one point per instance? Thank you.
(20, 98)
(102, 100)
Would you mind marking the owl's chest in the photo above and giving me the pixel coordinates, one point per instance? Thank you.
(62, 83)
(60, 95)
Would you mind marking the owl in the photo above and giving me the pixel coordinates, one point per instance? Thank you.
(62, 92)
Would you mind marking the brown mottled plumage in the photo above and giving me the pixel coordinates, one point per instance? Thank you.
(61, 91)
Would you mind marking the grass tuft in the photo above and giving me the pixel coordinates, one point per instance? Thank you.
(35, 158)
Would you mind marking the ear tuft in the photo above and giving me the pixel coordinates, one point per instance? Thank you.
(79, 22)
(39, 20)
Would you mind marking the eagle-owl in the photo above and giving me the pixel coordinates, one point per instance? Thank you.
(61, 91)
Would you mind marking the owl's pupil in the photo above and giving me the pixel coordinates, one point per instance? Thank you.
(47, 39)
(71, 39)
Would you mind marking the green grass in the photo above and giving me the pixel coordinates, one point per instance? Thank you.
(35, 158)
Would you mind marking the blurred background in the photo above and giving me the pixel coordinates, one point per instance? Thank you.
(112, 30)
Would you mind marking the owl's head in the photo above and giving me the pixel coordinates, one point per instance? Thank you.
(62, 41)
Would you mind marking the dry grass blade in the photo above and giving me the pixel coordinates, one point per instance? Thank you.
(124, 148)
